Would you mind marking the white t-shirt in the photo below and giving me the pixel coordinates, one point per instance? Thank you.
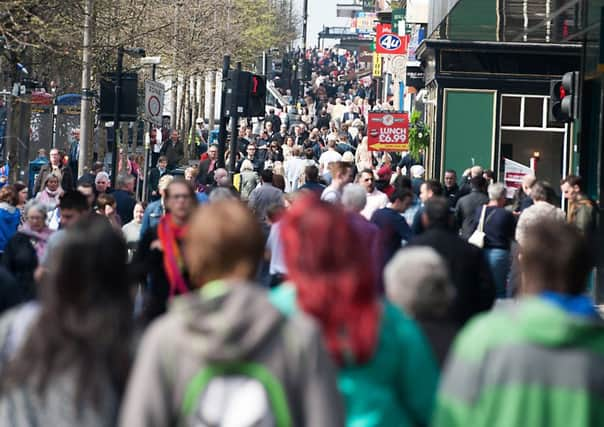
(375, 200)
(275, 245)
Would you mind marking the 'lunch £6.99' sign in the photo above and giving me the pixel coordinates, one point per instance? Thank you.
(388, 132)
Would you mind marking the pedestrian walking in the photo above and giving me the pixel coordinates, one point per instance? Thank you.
(65, 359)
(465, 210)
(470, 273)
(387, 373)
(582, 211)
(498, 225)
(9, 216)
(538, 359)
(26, 248)
(224, 355)
(159, 257)
(417, 281)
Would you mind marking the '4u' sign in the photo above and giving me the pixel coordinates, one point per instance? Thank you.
(391, 44)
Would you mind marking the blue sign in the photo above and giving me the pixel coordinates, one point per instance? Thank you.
(390, 42)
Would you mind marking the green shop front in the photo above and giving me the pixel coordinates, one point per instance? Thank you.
(487, 86)
(486, 101)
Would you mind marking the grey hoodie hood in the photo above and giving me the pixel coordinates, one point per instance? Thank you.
(232, 320)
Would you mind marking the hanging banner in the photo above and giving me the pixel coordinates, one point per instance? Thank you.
(513, 174)
(388, 131)
(377, 65)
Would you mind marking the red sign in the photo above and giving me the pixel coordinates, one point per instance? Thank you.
(388, 43)
(383, 28)
(388, 131)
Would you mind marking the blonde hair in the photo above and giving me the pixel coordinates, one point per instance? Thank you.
(246, 165)
(164, 181)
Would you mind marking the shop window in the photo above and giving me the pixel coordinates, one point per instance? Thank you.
(510, 110)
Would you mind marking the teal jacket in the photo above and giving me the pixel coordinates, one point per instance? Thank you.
(532, 364)
(396, 388)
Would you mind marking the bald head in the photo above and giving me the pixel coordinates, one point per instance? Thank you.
(527, 182)
(476, 171)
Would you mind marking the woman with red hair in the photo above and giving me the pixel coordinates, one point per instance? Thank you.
(387, 373)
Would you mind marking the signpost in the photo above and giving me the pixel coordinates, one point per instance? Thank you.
(388, 132)
(154, 101)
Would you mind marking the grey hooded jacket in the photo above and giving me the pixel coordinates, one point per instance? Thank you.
(232, 322)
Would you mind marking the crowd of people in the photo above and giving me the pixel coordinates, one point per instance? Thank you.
(322, 284)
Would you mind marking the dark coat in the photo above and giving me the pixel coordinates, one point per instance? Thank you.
(125, 202)
(148, 267)
(465, 211)
(154, 175)
(205, 175)
(21, 261)
(67, 180)
(174, 153)
(469, 271)
(10, 291)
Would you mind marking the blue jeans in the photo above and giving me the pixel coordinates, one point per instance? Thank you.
(499, 263)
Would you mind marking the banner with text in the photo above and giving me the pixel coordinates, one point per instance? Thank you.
(513, 173)
(388, 131)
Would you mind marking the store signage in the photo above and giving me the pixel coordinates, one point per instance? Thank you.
(388, 131)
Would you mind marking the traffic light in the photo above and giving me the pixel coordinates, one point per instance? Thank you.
(246, 94)
(570, 84)
(257, 96)
(563, 98)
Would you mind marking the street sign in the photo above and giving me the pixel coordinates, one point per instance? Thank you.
(377, 65)
(154, 101)
(391, 44)
(388, 132)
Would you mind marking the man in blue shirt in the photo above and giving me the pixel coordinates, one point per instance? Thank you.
(393, 227)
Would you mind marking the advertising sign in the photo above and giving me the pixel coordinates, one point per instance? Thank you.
(154, 101)
(513, 174)
(388, 131)
(391, 44)
(377, 65)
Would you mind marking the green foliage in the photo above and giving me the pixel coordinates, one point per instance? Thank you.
(419, 135)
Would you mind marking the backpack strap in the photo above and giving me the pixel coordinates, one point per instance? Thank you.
(275, 390)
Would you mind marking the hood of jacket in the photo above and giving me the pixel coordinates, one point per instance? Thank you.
(12, 210)
(231, 320)
(550, 325)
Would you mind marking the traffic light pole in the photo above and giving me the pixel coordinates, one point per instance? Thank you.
(234, 135)
(116, 115)
(222, 132)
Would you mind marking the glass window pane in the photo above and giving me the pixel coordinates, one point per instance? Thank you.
(510, 111)
(533, 112)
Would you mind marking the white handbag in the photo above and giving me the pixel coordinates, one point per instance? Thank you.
(477, 237)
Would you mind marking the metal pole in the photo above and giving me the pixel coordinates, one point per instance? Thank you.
(116, 114)
(234, 134)
(148, 143)
(222, 133)
(304, 39)
(304, 25)
(85, 119)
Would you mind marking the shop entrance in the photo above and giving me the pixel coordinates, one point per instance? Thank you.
(526, 132)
